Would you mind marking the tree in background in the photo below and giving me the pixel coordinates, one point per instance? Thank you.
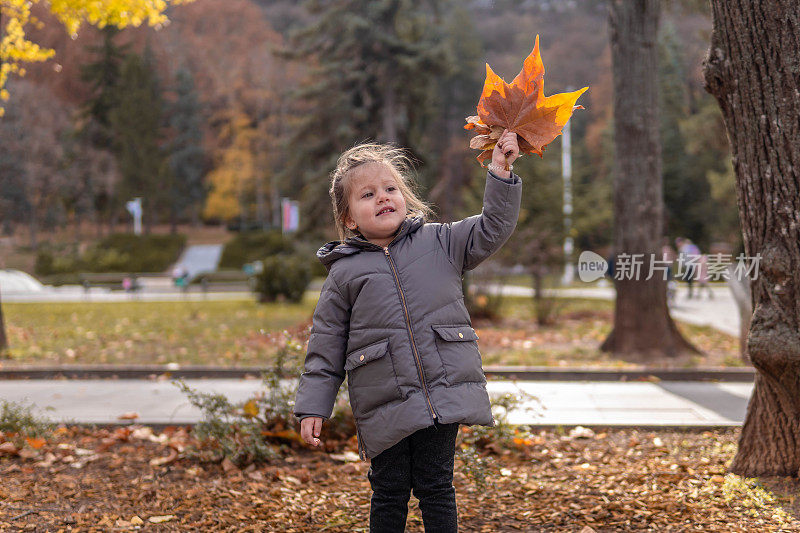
(373, 72)
(686, 190)
(708, 155)
(13, 200)
(187, 157)
(93, 126)
(752, 71)
(231, 182)
(137, 122)
(34, 125)
(103, 77)
(643, 328)
(451, 159)
(15, 15)
(92, 174)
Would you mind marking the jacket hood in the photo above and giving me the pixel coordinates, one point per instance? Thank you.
(333, 250)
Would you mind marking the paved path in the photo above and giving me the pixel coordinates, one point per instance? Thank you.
(587, 403)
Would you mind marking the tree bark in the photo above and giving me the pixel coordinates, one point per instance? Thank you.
(753, 70)
(643, 329)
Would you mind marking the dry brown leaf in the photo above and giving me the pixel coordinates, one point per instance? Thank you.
(170, 458)
(162, 518)
(8, 448)
(228, 466)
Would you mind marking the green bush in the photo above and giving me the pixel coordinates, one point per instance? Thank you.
(44, 264)
(253, 245)
(122, 252)
(125, 252)
(19, 422)
(286, 275)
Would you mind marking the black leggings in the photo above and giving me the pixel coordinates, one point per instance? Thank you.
(423, 461)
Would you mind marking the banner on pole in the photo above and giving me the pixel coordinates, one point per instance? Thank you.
(291, 215)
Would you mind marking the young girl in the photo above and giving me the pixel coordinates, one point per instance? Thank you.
(391, 316)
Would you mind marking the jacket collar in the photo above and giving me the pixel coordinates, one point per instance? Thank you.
(333, 250)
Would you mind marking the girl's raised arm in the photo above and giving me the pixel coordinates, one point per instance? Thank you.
(470, 241)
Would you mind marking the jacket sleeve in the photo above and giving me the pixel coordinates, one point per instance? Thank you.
(324, 363)
(470, 241)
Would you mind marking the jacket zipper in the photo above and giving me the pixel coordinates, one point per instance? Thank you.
(410, 332)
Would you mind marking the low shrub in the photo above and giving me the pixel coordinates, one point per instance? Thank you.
(283, 275)
(477, 442)
(252, 246)
(20, 425)
(260, 428)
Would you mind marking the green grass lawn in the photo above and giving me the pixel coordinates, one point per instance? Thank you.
(213, 332)
(245, 333)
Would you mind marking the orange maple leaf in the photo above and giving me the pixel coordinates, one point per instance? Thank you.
(522, 108)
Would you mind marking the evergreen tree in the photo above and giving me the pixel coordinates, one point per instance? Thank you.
(103, 76)
(94, 125)
(708, 152)
(187, 158)
(686, 189)
(14, 204)
(374, 66)
(452, 161)
(137, 123)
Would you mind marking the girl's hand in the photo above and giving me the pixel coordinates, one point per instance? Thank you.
(506, 151)
(310, 429)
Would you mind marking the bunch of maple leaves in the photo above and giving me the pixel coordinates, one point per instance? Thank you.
(522, 108)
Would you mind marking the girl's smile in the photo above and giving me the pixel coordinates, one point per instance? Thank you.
(377, 206)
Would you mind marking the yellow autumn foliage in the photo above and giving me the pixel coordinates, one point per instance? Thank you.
(232, 181)
(16, 49)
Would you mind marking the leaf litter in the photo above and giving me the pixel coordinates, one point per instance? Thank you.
(582, 480)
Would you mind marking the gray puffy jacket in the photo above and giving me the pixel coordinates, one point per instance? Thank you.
(394, 320)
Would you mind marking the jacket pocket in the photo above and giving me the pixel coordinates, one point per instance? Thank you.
(458, 348)
(371, 379)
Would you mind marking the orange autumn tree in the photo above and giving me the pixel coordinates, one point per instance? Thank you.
(522, 108)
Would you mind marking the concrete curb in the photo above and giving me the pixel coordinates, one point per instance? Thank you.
(522, 373)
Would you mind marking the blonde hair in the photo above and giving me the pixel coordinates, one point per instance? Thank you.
(398, 164)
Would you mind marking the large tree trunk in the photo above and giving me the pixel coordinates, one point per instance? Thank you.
(643, 329)
(753, 70)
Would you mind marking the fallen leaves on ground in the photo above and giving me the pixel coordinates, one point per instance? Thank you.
(586, 480)
(574, 341)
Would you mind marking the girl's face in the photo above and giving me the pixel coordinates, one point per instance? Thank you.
(377, 207)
